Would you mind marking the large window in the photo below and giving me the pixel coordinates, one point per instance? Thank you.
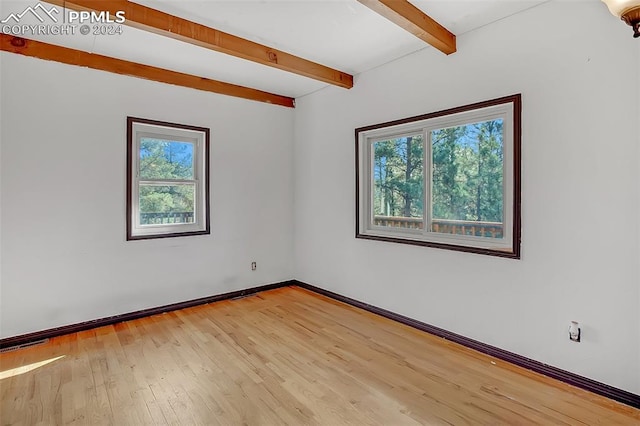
(167, 179)
(449, 179)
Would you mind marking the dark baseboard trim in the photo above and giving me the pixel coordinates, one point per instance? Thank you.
(611, 392)
(599, 388)
(74, 328)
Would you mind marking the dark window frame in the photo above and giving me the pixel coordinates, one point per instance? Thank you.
(515, 250)
(131, 151)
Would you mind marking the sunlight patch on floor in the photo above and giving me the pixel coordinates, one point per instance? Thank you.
(27, 368)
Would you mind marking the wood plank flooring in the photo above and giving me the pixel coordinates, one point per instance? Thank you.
(285, 356)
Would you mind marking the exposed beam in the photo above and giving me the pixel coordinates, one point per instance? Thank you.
(155, 21)
(50, 52)
(412, 19)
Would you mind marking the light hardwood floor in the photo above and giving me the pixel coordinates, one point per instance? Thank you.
(286, 356)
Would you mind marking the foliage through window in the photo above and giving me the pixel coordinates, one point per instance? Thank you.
(449, 179)
(167, 179)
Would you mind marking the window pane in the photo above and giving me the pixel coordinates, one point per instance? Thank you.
(167, 204)
(467, 179)
(165, 159)
(398, 182)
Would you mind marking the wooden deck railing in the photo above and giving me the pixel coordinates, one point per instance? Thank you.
(445, 226)
(399, 222)
(162, 218)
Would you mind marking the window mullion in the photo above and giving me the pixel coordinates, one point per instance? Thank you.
(427, 178)
(167, 182)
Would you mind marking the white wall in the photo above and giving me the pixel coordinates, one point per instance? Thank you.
(64, 254)
(580, 233)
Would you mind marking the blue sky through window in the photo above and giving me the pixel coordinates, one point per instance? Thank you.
(166, 159)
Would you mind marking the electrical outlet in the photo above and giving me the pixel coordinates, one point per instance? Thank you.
(254, 266)
(574, 331)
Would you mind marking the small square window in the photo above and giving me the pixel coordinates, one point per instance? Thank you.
(167, 179)
(449, 179)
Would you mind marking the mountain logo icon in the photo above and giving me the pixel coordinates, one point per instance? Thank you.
(39, 11)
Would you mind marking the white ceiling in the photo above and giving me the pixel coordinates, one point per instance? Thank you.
(342, 34)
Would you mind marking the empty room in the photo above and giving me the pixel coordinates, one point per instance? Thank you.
(319, 212)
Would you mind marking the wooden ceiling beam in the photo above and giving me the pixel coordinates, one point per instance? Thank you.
(65, 55)
(157, 22)
(412, 19)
